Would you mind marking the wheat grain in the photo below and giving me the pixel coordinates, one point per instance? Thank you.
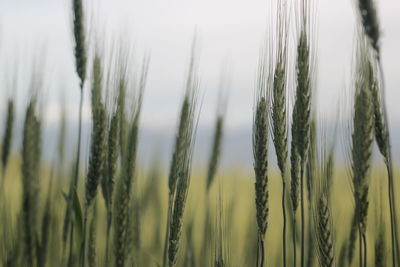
(260, 158)
(92, 262)
(369, 21)
(126, 180)
(324, 233)
(362, 138)
(216, 150)
(108, 180)
(7, 137)
(181, 163)
(30, 175)
(176, 222)
(98, 140)
(79, 35)
(80, 67)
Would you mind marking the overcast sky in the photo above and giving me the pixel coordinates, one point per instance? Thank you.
(231, 32)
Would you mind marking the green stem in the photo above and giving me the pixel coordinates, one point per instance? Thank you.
(170, 202)
(361, 246)
(260, 251)
(302, 214)
(76, 175)
(365, 249)
(389, 166)
(83, 248)
(109, 220)
(207, 230)
(284, 221)
(294, 240)
(2, 177)
(392, 210)
(71, 247)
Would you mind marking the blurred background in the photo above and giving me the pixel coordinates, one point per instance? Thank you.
(37, 34)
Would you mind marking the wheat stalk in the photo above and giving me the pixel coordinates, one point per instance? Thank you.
(213, 165)
(92, 238)
(182, 177)
(278, 103)
(46, 222)
(126, 181)
(216, 150)
(30, 180)
(369, 21)
(121, 113)
(79, 35)
(181, 157)
(324, 234)
(302, 117)
(175, 226)
(362, 138)
(370, 24)
(260, 158)
(352, 239)
(311, 177)
(380, 251)
(98, 140)
(110, 174)
(294, 182)
(321, 210)
(190, 259)
(383, 141)
(80, 67)
(380, 240)
(7, 137)
(221, 249)
(98, 147)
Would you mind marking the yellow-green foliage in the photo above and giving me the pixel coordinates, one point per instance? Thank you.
(237, 187)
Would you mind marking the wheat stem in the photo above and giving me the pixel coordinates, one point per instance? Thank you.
(302, 216)
(284, 222)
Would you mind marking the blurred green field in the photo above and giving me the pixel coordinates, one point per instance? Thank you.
(235, 188)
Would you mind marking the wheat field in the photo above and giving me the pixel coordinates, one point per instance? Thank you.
(316, 195)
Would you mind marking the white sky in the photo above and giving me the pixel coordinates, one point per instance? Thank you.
(230, 31)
